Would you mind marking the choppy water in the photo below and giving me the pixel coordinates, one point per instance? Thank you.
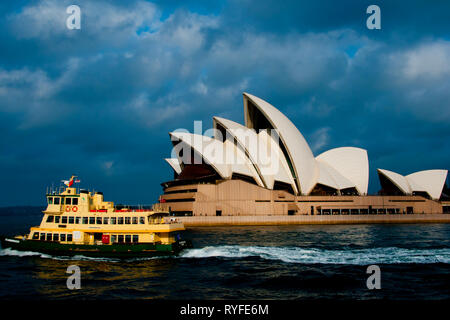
(258, 262)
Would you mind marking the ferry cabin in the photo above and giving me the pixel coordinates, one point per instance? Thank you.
(84, 218)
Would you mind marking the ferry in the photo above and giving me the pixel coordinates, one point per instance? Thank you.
(80, 222)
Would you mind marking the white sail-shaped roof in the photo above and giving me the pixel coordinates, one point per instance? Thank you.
(263, 153)
(272, 162)
(299, 155)
(211, 150)
(239, 162)
(398, 180)
(246, 138)
(429, 181)
(225, 157)
(350, 162)
(175, 164)
(330, 177)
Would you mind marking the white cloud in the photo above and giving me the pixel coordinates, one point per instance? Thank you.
(431, 60)
(46, 20)
(319, 139)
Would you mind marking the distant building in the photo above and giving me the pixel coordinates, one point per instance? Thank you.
(266, 167)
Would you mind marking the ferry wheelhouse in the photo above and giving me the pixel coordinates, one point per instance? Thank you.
(81, 222)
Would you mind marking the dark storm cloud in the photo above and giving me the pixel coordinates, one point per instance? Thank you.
(100, 101)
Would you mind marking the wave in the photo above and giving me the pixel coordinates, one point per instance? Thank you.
(16, 253)
(380, 255)
(387, 255)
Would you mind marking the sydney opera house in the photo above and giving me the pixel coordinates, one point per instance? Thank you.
(266, 167)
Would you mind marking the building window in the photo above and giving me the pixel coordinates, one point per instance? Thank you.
(120, 220)
(128, 238)
(75, 201)
(91, 220)
(99, 220)
(135, 238)
(69, 237)
(85, 220)
(49, 237)
(56, 237)
(68, 201)
(63, 219)
(56, 200)
(141, 220)
(50, 219)
(35, 235)
(63, 237)
(127, 220)
(120, 238)
(113, 220)
(50, 200)
(135, 220)
(105, 220)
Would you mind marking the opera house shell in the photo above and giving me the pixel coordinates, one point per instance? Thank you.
(266, 167)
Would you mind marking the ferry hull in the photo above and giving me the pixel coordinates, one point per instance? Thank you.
(107, 251)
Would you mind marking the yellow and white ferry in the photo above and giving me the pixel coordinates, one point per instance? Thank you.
(79, 222)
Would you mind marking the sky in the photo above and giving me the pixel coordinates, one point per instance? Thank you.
(100, 101)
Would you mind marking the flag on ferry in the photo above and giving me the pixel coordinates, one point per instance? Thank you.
(70, 182)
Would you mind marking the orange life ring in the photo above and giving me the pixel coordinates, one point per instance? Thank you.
(74, 209)
(68, 209)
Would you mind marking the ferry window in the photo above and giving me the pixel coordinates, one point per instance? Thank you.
(85, 220)
(49, 237)
(50, 200)
(57, 218)
(35, 235)
(113, 220)
(74, 201)
(63, 237)
(99, 220)
(120, 220)
(56, 200)
(120, 238)
(71, 220)
(77, 220)
(63, 219)
(69, 237)
(56, 237)
(128, 238)
(135, 238)
(127, 220)
(141, 220)
(42, 236)
(105, 220)
(113, 238)
(50, 219)
(135, 220)
(68, 200)
(91, 220)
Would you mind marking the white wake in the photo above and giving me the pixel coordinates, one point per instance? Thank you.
(388, 255)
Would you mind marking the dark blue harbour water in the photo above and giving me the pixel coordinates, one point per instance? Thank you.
(258, 262)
